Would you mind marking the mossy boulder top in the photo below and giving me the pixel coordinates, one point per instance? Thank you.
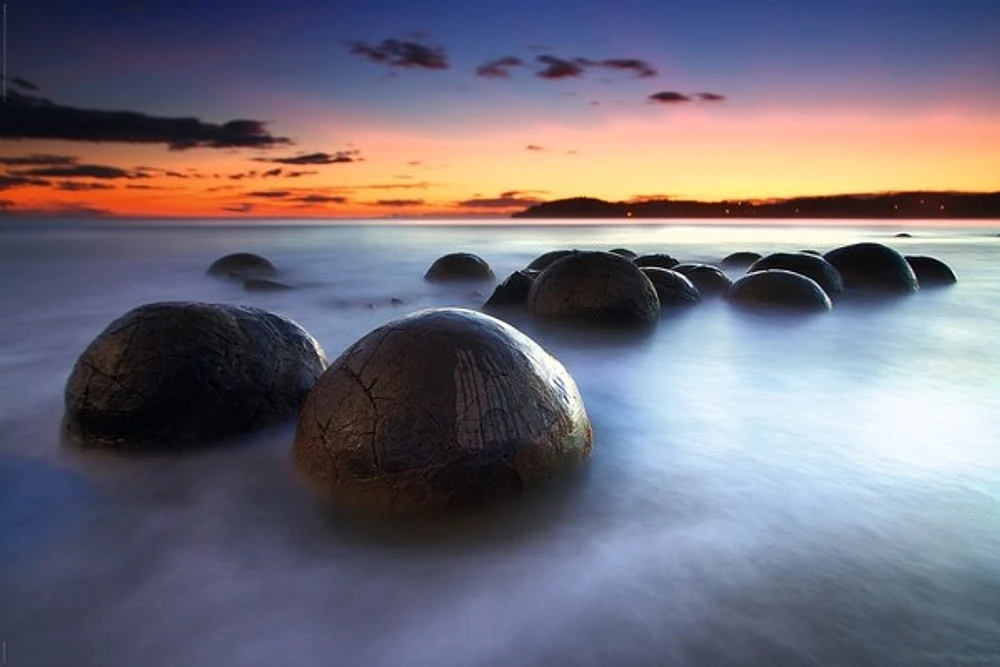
(183, 374)
(440, 408)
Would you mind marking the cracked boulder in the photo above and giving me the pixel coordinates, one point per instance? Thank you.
(595, 288)
(459, 266)
(182, 374)
(440, 408)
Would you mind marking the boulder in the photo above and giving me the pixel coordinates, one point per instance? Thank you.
(809, 265)
(542, 262)
(779, 289)
(657, 259)
(440, 408)
(930, 271)
(740, 260)
(241, 266)
(624, 252)
(873, 266)
(710, 280)
(513, 291)
(459, 266)
(672, 288)
(595, 288)
(179, 374)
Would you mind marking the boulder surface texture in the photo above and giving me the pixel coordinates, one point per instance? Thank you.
(440, 408)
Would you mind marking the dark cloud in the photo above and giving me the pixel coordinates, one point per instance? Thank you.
(511, 199)
(321, 199)
(398, 203)
(64, 210)
(21, 83)
(74, 186)
(533, 147)
(299, 174)
(239, 208)
(269, 194)
(144, 187)
(399, 53)
(669, 97)
(38, 160)
(270, 173)
(641, 68)
(710, 97)
(28, 117)
(9, 181)
(316, 158)
(421, 185)
(6, 204)
(558, 68)
(499, 68)
(82, 171)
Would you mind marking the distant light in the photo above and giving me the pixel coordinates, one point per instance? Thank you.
(628, 214)
(727, 211)
(942, 207)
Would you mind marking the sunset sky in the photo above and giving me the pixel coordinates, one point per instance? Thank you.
(378, 108)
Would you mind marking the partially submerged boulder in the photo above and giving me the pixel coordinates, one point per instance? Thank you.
(440, 408)
(542, 262)
(930, 271)
(657, 259)
(513, 291)
(459, 266)
(624, 252)
(779, 289)
(242, 266)
(809, 265)
(596, 288)
(740, 259)
(709, 279)
(672, 288)
(873, 266)
(179, 374)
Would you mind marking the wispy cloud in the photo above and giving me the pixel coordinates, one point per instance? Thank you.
(669, 97)
(499, 68)
(318, 158)
(402, 53)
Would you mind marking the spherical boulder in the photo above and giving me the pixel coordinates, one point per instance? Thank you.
(657, 259)
(595, 288)
(779, 289)
(513, 291)
(241, 266)
(459, 266)
(181, 374)
(740, 260)
(710, 280)
(440, 408)
(930, 271)
(542, 262)
(809, 265)
(672, 288)
(624, 252)
(873, 266)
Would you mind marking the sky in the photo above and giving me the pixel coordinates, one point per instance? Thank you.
(400, 108)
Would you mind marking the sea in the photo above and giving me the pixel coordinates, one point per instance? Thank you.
(765, 489)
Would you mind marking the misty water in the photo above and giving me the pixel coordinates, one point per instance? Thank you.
(764, 490)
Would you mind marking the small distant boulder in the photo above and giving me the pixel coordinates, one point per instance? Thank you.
(930, 271)
(597, 288)
(740, 260)
(459, 266)
(809, 265)
(709, 279)
(513, 291)
(657, 259)
(624, 252)
(542, 262)
(672, 288)
(180, 374)
(873, 266)
(437, 409)
(242, 266)
(903, 235)
(779, 289)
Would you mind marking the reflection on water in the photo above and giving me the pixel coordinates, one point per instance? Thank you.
(764, 490)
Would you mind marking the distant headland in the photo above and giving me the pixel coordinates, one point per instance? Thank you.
(903, 205)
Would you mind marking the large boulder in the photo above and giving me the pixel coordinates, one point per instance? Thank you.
(543, 261)
(809, 265)
(740, 259)
(624, 252)
(459, 266)
(709, 279)
(779, 289)
(657, 259)
(242, 266)
(930, 271)
(180, 374)
(672, 288)
(873, 266)
(594, 287)
(440, 408)
(513, 291)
